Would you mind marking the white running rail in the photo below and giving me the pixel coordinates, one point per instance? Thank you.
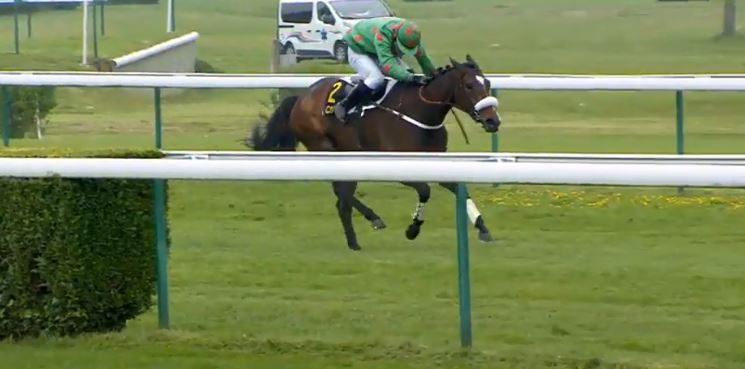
(425, 168)
(260, 81)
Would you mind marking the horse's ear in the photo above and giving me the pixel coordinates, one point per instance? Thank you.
(453, 62)
(472, 62)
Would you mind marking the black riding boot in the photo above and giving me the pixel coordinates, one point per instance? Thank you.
(359, 94)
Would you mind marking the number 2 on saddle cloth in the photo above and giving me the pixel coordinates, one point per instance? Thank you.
(333, 98)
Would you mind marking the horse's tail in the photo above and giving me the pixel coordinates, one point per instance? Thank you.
(275, 135)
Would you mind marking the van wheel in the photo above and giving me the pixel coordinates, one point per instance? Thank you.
(340, 52)
(289, 49)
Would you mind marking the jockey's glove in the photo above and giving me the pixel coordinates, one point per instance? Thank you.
(419, 80)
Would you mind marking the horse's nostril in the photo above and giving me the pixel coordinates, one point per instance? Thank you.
(492, 124)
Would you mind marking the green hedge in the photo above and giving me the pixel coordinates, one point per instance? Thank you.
(26, 104)
(76, 255)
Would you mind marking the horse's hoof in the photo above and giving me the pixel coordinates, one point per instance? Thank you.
(355, 247)
(485, 237)
(413, 231)
(378, 224)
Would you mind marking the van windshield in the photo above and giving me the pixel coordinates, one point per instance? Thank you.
(358, 9)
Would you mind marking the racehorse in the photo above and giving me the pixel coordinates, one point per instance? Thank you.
(402, 117)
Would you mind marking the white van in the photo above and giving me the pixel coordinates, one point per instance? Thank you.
(313, 29)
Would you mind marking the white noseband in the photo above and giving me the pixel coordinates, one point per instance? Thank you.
(487, 102)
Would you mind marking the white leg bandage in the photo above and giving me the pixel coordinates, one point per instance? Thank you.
(419, 212)
(473, 211)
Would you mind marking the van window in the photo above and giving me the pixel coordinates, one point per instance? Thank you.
(324, 11)
(359, 9)
(297, 12)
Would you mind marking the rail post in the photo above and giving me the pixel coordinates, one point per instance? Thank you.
(15, 27)
(95, 31)
(158, 120)
(464, 284)
(7, 114)
(171, 16)
(159, 200)
(28, 21)
(103, 19)
(679, 119)
(495, 135)
(679, 129)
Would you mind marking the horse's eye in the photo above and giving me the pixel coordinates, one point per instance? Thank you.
(469, 86)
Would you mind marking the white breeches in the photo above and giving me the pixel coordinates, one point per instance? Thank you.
(367, 69)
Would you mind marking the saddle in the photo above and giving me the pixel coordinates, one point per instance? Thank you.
(343, 86)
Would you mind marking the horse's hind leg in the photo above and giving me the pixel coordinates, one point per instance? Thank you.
(423, 190)
(369, 214)
(344, 192)
(473, 213)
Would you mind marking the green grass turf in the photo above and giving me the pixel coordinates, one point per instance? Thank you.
(580, 278)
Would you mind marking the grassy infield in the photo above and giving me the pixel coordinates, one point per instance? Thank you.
(579, 278)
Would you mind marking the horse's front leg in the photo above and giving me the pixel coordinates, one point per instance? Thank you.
(423, 190)
(473, 213)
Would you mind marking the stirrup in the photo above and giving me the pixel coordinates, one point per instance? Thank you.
(341, 112)
(355, 98)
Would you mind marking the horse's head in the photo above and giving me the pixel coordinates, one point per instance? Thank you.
(471, 92)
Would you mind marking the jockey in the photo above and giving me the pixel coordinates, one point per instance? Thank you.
(376, 46)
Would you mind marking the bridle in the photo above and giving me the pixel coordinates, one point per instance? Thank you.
(477, 106)
(489, 101)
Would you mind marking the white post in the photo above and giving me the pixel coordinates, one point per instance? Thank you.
(85, 32)
(169, 21)
(37, 118)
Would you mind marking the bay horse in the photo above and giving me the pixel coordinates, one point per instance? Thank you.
(402, 118)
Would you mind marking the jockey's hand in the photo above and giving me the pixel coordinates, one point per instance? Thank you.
(420, 80)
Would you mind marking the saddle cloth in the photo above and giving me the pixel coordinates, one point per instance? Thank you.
(343, 86)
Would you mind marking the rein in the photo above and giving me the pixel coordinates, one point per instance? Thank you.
(428, 101)
(420, 124)
(411, 120)
(457, 119)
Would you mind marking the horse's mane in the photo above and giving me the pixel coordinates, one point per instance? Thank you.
(443, 71)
